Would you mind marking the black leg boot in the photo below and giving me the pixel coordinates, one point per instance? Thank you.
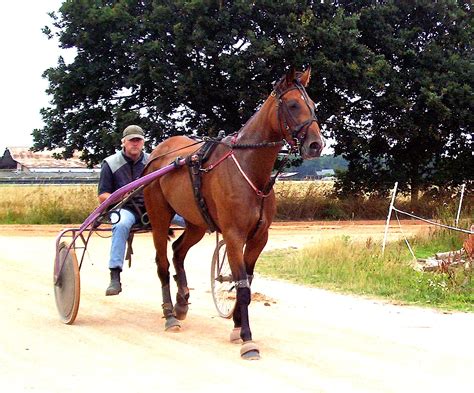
(115, 286)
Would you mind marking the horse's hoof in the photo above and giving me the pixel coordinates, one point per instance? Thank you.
(235, 336)
(172, 325)
(181, 311)
(249, 351)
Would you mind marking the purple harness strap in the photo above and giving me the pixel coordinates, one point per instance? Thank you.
(117, 195)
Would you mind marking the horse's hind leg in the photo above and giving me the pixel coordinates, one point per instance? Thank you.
(162, 263)
(160, 217)
(189, 238)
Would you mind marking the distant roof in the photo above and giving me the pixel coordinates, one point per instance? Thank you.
(44, 159)
(286, 174)
(323, 172)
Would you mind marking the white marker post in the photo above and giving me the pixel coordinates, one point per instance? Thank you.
(460, 204)
(394, 193)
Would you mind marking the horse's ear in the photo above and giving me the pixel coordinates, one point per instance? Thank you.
(306, 77)
(290, 76)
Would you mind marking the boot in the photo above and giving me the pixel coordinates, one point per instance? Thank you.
(115, 287)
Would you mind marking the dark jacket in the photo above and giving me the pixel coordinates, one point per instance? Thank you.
(119, 170)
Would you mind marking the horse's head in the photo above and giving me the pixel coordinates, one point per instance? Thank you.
(296, 114)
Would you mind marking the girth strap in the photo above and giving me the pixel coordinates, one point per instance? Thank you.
(194, 162)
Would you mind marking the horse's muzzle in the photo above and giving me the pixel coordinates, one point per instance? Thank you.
(312, 149)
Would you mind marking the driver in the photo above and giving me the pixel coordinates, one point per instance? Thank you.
(117, 171)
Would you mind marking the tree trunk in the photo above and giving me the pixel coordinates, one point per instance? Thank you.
(414, 194)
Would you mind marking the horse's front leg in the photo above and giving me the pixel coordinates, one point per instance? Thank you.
(253, 250)
(249, 349)
(237, 318)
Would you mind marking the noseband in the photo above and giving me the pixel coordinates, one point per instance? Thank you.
(291, 131)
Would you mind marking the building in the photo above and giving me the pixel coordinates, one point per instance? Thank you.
(327, 174)
(19, 165)
(22, 159)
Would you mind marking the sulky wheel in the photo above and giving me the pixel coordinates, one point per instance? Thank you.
(67, 287)
(222, 285)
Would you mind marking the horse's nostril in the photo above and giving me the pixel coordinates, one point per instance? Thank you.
(315, 146)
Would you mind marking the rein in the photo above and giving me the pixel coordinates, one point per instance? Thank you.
(232, 145)
(217, 141)
(292, 133)
(169, 152)
(298, 134)
(252, 145)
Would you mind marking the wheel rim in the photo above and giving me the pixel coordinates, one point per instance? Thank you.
(67, 287)
(222, 284)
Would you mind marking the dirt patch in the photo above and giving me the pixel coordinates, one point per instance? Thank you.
(260, 297)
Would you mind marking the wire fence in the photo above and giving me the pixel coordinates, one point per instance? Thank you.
(392, 209)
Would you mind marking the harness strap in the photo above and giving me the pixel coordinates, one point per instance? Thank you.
(168, 152)
(257, 191)
(212, 166)
(128, 256)
(194, 162)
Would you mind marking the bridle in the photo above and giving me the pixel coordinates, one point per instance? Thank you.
(292, 132)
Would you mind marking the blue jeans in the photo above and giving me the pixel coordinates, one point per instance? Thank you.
(178, 220)
(120, 233)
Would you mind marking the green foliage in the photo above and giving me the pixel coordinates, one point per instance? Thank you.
(413, 121)
(355, 267)
(181, 66)
(439, 241)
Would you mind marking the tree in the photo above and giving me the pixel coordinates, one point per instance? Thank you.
(413, 124)
(187, 66)
(392, 80)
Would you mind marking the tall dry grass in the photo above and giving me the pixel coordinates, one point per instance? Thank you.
(313, 200)
(296, 200)
(44, 204)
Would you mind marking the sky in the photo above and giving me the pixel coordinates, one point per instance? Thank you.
(26, 54)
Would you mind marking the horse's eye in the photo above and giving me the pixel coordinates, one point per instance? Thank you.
(293, 105)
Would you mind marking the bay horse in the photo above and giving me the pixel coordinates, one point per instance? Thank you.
(237, 191)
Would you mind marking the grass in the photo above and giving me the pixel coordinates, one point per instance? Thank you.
(297, 201)
(359, 268)
(46, 204)
(310, 200)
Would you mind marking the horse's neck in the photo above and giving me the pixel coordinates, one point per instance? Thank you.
(258, 163)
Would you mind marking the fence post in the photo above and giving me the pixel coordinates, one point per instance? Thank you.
(394, 193)
(460, 204)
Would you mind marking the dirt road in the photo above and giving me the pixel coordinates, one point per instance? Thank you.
(310, 340)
